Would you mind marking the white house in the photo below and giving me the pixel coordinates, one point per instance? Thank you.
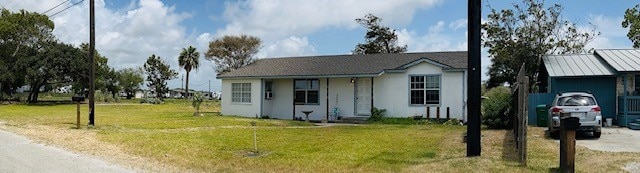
(405, 84)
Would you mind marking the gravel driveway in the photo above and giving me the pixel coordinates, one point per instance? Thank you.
(19, 154)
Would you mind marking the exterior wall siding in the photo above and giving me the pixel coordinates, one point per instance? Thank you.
(319, 110)
(391, 92)
(282, 102)
(603, 88)
(242, 109)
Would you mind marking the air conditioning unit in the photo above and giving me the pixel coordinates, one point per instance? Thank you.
(268, 95)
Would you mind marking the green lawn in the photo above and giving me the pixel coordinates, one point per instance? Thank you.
(168, 133)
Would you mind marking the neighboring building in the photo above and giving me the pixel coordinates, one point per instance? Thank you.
(612, 75)
(404, 84)
(140, 94)
(63, 89)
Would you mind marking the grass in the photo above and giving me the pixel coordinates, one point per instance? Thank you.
(169, 134)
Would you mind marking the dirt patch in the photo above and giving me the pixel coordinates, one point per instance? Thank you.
(85, 141)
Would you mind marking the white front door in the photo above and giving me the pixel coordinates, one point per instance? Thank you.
(363, 96)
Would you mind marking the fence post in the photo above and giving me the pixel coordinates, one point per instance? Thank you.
(428, 113)
(438, 113)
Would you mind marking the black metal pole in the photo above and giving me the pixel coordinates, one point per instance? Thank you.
(92, 45)
(473, 79)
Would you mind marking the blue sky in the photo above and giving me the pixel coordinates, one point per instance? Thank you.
(130, 31)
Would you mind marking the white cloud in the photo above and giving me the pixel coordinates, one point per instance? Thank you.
(130, 35)
(274, 20)
(458, 24)
(292, 46)
(435, 39)
(612, 34)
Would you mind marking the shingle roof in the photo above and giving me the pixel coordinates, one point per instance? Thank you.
(576, 65)
(345, 65)
(623, 60)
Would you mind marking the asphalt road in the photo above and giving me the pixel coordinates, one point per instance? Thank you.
(19, 154)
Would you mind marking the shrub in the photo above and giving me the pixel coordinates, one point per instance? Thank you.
(377, 114)
(495, 108)
(196, 102)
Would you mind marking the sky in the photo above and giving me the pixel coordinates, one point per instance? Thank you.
(129, 31)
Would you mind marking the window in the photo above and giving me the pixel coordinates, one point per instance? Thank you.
(241, 92)
(424, 90)
(306, 91)
(268, 85)
(577, 100)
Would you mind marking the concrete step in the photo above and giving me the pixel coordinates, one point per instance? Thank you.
(634, 126)
(353, 120)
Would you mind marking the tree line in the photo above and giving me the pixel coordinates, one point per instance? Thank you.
(31, 55)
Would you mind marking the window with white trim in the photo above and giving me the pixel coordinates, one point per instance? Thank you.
(424, 90)
(306, 91)
(241, 92)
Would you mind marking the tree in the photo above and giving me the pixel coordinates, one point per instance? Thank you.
(21, 35)
(158, 72)
(526, 33)
(112, 82)
(189, 59)
(632, 21)
(379, 39)
(106, 79)
(130, 80)
(232, 52)
(54, 63)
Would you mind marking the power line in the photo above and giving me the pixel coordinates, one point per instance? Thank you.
(55, 6)
(74, 4)
(14, 6)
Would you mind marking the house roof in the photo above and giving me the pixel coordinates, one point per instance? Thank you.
(576, 65)
(346, 65)
(622, 60)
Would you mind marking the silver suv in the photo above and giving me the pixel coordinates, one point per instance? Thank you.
(575, 104)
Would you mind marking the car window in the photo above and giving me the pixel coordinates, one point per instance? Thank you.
(576, 101)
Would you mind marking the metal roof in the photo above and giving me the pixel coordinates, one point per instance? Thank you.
(345, 65)
(576, 65)
(622, 60)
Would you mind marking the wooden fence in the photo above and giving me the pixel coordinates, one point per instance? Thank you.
(520, 90)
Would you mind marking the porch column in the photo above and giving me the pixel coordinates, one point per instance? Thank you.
(624, 99)
(327, 103)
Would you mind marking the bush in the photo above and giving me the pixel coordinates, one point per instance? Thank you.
(495, 108)
(196, 102)
(377, 114)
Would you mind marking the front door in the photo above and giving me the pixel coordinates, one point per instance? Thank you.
(363, 96)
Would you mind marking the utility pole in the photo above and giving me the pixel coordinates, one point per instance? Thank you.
(473, 79)
(92, 47)
(210, 94)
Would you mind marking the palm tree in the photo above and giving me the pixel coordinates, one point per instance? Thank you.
(189, 59)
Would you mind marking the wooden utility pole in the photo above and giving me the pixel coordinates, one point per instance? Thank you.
(473, 79)
(92, 47)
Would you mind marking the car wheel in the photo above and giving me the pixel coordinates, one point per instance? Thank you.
(597, 134)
